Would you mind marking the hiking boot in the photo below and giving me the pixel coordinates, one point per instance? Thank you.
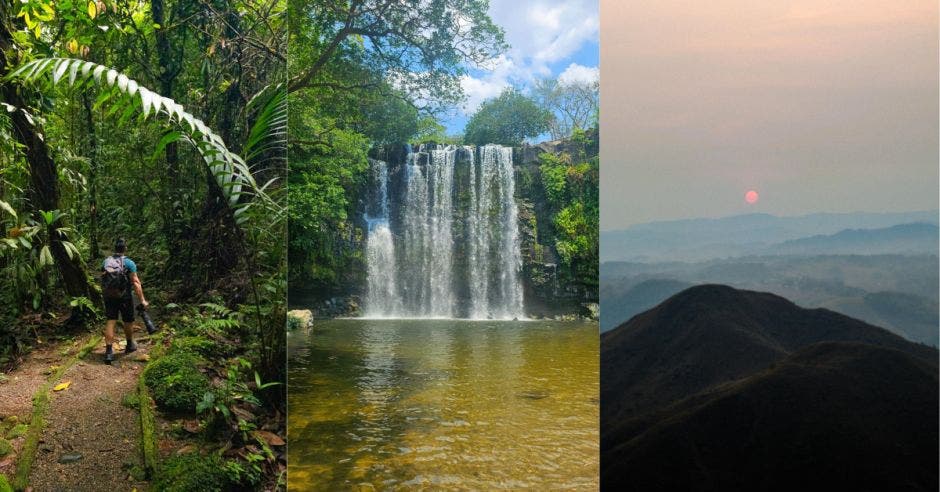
(130, 347)
(108, 356)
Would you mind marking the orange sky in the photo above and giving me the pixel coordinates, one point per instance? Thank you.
(819, 106)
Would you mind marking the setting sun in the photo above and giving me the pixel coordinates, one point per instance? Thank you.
(751, 197)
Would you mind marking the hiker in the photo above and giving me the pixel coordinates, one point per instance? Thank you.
(119, 273)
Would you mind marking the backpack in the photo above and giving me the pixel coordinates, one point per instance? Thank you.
(114, 281)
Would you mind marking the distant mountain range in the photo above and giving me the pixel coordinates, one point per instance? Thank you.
(914, 238)
(755, 234)
(897, 292)
(724, 389)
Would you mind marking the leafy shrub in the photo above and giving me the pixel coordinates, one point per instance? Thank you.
(176, 383)
(131, 400)
(553, 171)
(192, 472)
(210, 349)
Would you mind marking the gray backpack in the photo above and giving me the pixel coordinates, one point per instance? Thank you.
(114, 281)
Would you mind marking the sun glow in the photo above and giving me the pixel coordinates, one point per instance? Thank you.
(751, 197)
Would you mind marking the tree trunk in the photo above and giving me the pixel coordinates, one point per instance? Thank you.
(92, 180)
(174, 226)
(219, 240)
(44, 192)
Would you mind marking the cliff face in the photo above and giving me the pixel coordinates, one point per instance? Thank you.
(550, 288)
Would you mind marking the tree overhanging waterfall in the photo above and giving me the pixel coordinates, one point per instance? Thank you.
(443, 236)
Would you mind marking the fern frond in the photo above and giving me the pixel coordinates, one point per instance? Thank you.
(126, 97)
(268, 134)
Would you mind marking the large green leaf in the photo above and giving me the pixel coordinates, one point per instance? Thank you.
(6, 207)
(127, 97)
(268, 134)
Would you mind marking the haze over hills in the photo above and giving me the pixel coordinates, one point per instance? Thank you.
(881, 268)
(740, 235)
(912, 238)
(896, 292)
(725, 389)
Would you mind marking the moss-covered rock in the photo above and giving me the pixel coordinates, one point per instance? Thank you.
(196, 345)
(192, 472)
(18, 430)
(299, 319)
(5, 447)
(176, 383)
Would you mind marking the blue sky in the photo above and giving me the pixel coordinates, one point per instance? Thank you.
(547, 38)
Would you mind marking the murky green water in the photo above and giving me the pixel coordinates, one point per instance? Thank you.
(443, 404)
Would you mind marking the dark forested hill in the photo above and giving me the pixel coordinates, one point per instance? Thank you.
(895, 292)
(719, 388)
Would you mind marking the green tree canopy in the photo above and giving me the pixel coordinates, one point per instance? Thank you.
(574, 105)
(364, 73)
(508, 120)
(421, 47)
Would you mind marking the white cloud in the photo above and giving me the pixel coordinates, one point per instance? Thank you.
(498, 76)
(579, 74)
(479, 90)
(539, 33)
(543, 32)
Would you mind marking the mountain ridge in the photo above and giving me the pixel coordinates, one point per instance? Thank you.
(664, 372)
(737, 235)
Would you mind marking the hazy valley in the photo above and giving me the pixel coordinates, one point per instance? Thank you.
(886, 276)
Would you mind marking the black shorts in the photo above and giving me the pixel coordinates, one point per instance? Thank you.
(123, 306)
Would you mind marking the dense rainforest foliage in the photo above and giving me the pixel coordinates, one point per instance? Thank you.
(163, 123)
(363, 73)
(368, 73)
(570, 180)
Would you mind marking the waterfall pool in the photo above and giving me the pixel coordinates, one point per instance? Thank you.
(402, 404)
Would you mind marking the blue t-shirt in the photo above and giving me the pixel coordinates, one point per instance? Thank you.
(129, 265)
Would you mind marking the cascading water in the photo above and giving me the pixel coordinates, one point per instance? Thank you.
(440, 266)
(413, 261)
(494, 237)
(382, 296)
(508, 301)
(428, 218)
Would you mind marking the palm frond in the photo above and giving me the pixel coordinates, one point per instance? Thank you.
(125, 97)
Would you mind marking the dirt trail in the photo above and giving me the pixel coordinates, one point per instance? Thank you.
(18, 387)
(89, 419)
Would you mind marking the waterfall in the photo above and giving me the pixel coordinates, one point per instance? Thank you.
(382, 295)
(415, 248)
(509, 301)
(478, 251)
(441, 217)
(494, 248)
(413, 261)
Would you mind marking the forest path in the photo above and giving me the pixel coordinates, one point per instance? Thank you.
(19, 385)
(92, 439)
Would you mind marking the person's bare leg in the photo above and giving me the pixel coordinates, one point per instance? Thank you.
(109, 340)
(109, 331)
(129, 336)
(129, 331)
